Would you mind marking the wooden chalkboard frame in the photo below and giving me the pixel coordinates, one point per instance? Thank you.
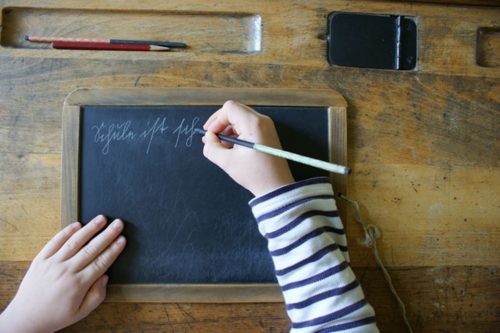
(194, 293)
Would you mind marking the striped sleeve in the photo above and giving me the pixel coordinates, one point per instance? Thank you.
(308, 246)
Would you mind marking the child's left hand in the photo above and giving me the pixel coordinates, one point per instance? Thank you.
(66, 280)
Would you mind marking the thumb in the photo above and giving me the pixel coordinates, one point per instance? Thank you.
(215, 150)
(95, 296)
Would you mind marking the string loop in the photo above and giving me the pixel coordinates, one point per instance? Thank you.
(371, 234)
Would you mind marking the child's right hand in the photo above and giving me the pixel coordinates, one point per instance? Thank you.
(258, 172)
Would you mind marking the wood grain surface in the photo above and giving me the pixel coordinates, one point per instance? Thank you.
(423, 146)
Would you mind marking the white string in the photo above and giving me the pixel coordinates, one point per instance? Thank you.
(372, 232)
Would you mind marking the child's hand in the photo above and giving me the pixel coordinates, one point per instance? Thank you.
(258, 172)
(66, 280)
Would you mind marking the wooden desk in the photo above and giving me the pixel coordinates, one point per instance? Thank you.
(423, 144)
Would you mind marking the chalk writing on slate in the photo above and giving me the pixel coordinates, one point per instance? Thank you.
(108, 133)
(185, 220)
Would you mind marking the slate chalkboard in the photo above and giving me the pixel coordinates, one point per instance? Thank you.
(186, 220)
(130, 153)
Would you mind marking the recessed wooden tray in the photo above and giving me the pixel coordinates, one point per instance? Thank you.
(488, 47)
(202, 31)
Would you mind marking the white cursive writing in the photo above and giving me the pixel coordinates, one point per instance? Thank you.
(186, 129)
(150, 131)
(114, 132)
(105, 134)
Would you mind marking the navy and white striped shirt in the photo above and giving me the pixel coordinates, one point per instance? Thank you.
(307, 242)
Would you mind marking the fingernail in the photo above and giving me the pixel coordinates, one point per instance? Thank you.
(74, 225)
(100, 220)
(105, 280)
(120, 241)
(117, 224)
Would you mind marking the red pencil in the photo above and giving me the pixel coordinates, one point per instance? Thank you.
(74, 45)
